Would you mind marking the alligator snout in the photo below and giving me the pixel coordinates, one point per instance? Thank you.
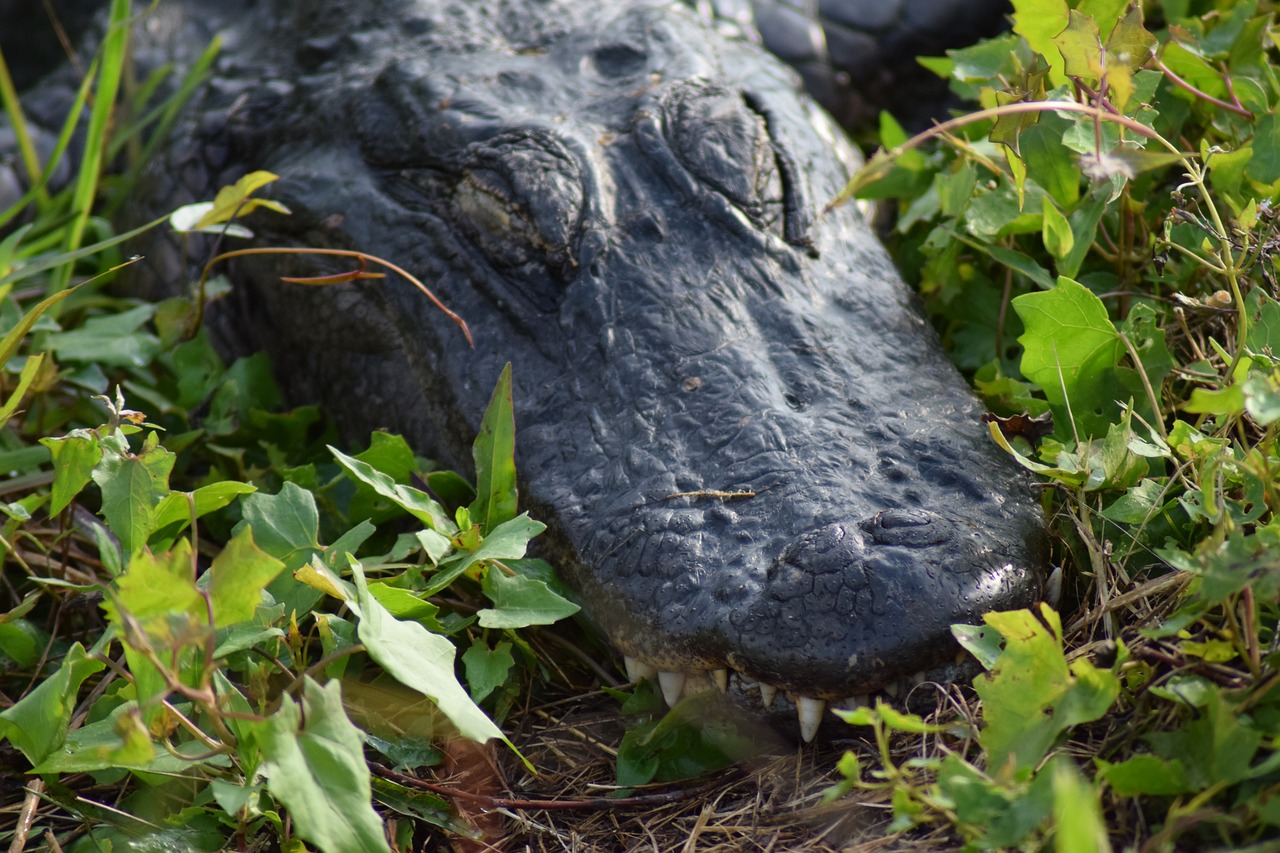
(748, 446)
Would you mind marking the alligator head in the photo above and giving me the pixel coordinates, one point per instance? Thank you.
(749, 447)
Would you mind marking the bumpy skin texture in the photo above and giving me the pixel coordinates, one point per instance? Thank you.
(624, 202)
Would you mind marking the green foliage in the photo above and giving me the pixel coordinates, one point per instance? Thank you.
(221, 535)
(1115, 191)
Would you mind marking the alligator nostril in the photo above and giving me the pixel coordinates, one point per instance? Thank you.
(912, 528)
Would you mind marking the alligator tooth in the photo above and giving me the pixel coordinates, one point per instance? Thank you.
(1053, 587)
(721, 677)
(891, 690)
(672, 684)
(853, 703)
(637, 670)
(767, 692)
(919, 677)
(810, 714)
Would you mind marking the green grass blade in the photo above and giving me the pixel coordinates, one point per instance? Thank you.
(12, 107)
(113, 58)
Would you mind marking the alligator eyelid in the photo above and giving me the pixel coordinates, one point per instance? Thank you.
(797, 204)
(647, 128)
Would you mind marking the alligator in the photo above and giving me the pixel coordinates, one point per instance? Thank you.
(756, 463)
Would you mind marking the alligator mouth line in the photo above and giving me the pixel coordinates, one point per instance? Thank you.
(810, 710)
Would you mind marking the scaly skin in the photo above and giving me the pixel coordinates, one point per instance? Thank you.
(751, 452)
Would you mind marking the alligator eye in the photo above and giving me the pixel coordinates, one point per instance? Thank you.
(723, 142)
(520, 201)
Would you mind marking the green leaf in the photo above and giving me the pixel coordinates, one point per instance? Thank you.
(37, 723)
(1077, 813)
(1039, 22)
(1217, 747)
(1056, 233)
(234, 201)
(75, 455)
(131, 487)
(1145, 774)
(13, 338)
(174, 512)
(520, 602)
(508, 542)
(487, 669)
(237, 578)
(1264, 167)
(315, 766)
(1070, 350)
(413, 501)
(1032, 695)
(29, 371)
(114, 340)
(285, 525)
(419, 659)
(158, 591)
(494, 453)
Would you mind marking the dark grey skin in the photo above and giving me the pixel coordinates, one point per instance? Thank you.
(750, 450)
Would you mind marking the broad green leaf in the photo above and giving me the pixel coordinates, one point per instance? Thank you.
(1137, 504)
(115, 340)
(419, 659)
(1216, 401)
(158, 591)
(1217, 747)
(1039, 22)
(494, 454)
(315, 766)
(1145, 774)
(1032, 696)
(407, 606)
(237, 578)
(120, 740)
(1003, 816)
(285, 525)
(176, 508)
(519, 602)
(1070, 348)
(487, 669)
(131, 487)
(413, 501)
(1080, 44)
(75, 455)
(37, 723)
(1264, 166)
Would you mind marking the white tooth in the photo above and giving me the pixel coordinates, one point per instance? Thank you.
(767, 692)
(918, 678)
(721, 677)
(891, 690)
(810, 713)
(637, 670)
(1053, 588)
(862, 700)
(672, 684)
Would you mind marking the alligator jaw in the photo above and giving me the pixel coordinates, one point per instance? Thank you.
(809, 710)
